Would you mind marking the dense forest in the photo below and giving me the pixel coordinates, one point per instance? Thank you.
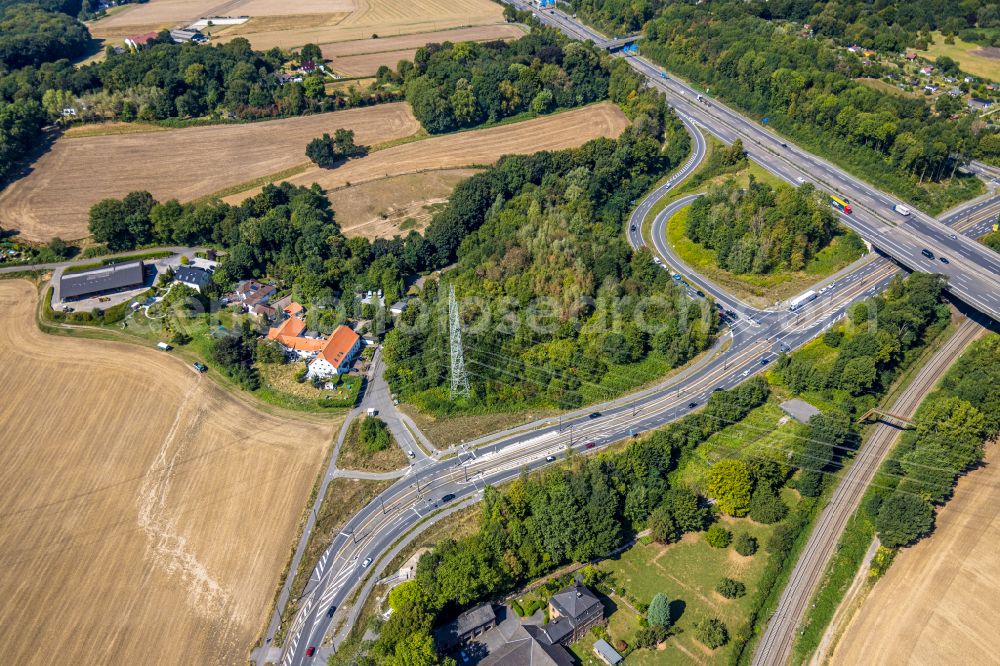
(451, 86)
(888, 25)
(561, 297)
(30, 36)
(576, 512)
(761, 229)
(951, 428)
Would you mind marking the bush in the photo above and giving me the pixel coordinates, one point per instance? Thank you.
(621, 645)
(516, 607)
(731, 589)
(766, 507)
(180, 338)
(718, 536)
(375, 436)
(781, 540)
(712, 632)
(902, 518)
(648, 637)
(745, 544)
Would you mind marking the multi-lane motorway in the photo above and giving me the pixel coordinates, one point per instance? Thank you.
(754, 337)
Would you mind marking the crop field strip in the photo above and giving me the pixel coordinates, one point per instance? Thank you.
(54, 198)
(144, 521)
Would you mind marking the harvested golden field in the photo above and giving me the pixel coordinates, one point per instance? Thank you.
(364, 56)
(470, 148)
(153, 15)
(54, 199)
(147, 513)
(366, 17)
(940, 600)
(394, 206)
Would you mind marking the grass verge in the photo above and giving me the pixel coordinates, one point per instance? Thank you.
(353, 454)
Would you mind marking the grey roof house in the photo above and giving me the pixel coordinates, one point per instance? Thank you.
(465, 627)
(579, 607)
(102, 280)
(196, 278)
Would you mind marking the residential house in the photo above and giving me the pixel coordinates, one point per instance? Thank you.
(980, 104)
(930, 88)
(291, 334)
(197, 278)
(261, 311)
(251, 292)
(579, 607)
(336, 355)
(466, 627)
(511, 643)
(955, 92)
(927, 70)
(103, 280)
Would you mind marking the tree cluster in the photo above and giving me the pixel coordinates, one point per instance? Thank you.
(30, 35)
(951, 426)
(459, 85)
(761, 229)
(582, 307)
(374, 435)
(328, 152)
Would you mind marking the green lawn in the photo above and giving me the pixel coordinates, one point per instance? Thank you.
(761, 290)
(965, 54)
(765, 432)
(687, 572)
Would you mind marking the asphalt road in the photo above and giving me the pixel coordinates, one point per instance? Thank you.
(756, 337)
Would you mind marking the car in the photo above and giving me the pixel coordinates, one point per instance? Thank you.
(718, 306)
(784, 347)
(717, 389)
(823, 290)
(676, 276)
(800, 180)
(311, 651)
(692, 405)
(953, 236)
(784, 145)
(589, 445)
(632, 228)
(656, 260)
(549, 458)
(364, 565)
(594, 415)
(200, 367)
(944, 260)
(330, 611)
(411, 453)
(447, 498)
(765, 361)
(67, 308)
(700, 293)
(927, 253)
(745, 373)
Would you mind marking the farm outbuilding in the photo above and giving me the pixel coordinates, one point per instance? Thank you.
(102, 280)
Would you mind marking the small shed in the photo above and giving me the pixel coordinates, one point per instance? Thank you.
(800, 410)
(606, 653)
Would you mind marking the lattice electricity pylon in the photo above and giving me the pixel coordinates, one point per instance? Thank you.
(459, 378)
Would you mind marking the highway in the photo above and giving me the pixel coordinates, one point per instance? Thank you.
(973, 270)
(754, 337)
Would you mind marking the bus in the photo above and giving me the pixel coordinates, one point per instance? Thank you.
(799, 301)
(842, 205)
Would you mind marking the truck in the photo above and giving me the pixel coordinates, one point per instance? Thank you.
(801, 300)
(901, 209)
(841, 204)
(163, 346)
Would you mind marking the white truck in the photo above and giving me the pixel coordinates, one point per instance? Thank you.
(801, 300)
(901, 209)
(163, 346)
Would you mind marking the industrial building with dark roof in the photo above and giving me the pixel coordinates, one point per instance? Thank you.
(101, 280)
